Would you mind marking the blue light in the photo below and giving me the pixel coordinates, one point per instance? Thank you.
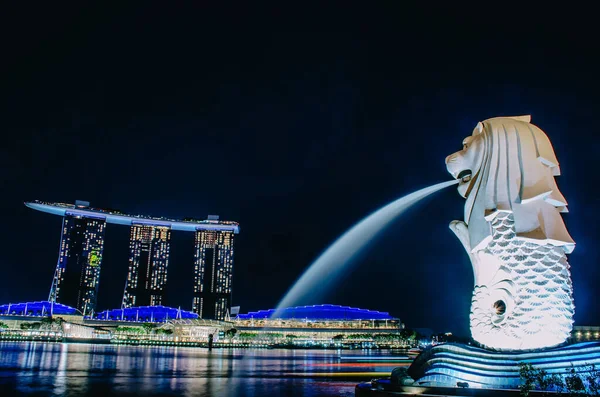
(318, 312)
(42, 308)
(446, 364)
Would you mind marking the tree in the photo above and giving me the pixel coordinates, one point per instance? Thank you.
(578, 381)
(573, 382)
(130, 330)
(230, 333)
(592, 378)
(359, 336)
(148, 327)
(247, 335)
(30, 326)
(538, 379)
(408, 334)
(389, 338)
(547, 382)
(528, 378)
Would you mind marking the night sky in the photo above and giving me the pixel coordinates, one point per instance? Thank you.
(296, 123)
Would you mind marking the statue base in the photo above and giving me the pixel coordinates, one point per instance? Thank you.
(449, 364)
(453, 369)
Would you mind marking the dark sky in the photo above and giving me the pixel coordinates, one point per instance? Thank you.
(294, 122)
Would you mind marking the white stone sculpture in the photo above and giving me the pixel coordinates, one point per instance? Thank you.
(514, 235)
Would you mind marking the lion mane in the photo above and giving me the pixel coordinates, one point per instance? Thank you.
(512, 165)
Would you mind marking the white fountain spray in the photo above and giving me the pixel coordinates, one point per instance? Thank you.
(336, 257)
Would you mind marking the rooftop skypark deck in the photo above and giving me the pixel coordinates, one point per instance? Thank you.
(120, 218)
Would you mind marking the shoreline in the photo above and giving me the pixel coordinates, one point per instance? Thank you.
(216, 345)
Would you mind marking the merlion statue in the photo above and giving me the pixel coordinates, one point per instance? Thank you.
(514, 235)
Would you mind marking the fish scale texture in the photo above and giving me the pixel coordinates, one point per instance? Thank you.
(534, 283)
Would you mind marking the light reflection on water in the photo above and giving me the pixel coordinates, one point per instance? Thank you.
(103, 370)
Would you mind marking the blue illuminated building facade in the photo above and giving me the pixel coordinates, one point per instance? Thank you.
(77, 275)
(39, 309)
(149, 248)
(213, 273)
(318, 312)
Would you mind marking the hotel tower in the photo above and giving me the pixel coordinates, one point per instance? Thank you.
(213, 272)
(148, 262)
(77, 275)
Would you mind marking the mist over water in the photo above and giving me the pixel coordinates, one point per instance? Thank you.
(323, 272)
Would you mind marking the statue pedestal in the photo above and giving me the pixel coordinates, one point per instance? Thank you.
(447, 364)
(453, 369)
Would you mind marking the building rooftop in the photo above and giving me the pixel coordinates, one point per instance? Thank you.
(200, 322)
(318, 312)
(40, 309)
(117, 217)
(143, 314)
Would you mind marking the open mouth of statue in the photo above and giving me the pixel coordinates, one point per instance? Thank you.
(464, 176)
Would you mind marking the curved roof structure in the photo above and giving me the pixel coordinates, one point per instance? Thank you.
(42, 309)
(318, 312)
(144, 314)
(119, 218)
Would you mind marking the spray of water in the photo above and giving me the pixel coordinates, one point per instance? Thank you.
(329, 265)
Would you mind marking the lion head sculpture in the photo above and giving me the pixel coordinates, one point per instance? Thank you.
(509, 164)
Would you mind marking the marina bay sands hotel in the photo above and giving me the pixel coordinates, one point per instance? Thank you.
(77, 274)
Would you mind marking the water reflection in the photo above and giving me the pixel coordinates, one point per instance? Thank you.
(102, 370)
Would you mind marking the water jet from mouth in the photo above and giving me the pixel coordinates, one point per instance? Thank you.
(464, 176)
(326, 269)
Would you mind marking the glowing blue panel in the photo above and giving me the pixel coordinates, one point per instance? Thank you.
(42, 308)
(319, 312)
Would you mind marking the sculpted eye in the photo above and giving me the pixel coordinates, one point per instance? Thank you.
(466, 142)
